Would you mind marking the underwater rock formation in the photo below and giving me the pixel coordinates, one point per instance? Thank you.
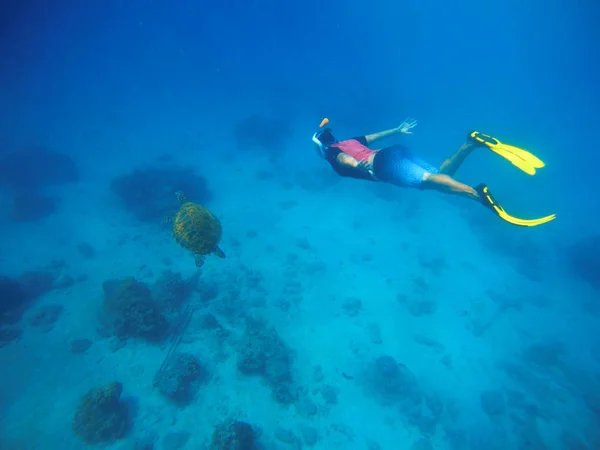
(393, 384)
(235, 435)
(150, 193)
(130, 310)
(179, 378)
(262, 352)
(171, 291)
(101, 416)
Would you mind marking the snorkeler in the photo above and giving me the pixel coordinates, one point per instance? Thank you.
(397, 165)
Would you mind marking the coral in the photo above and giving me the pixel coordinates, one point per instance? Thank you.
(132, 312)
(101, 417)
(394, 383)
(208, 328)
(150, 193)
(263, 353)
(236, 435)
(171, 291)
(177, 379)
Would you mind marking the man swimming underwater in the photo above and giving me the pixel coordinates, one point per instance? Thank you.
(396, 165)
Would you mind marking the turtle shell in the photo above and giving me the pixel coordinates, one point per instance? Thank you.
(196, 229)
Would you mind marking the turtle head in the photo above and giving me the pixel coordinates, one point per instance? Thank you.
(181, 197)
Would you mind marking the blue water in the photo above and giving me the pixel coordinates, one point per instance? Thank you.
(346, 314)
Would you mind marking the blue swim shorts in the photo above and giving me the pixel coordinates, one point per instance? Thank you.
(397, 165)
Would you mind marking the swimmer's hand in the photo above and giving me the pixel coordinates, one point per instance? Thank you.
(407, 125)
(365, 166)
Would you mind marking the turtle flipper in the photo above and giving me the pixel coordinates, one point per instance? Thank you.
(167, 220)
(181, 197)
(199, 260)
(220, 253)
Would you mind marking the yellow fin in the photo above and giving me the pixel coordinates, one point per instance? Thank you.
(514, 159)
(526, 222)
(519, 157)
(489, 201)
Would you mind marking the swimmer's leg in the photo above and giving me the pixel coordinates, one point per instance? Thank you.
(445, 183)
(398, 166)
(452, 164)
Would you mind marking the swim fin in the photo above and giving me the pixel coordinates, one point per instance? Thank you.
(488, 200)
(524, 160)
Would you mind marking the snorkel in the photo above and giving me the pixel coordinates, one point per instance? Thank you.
(323, 139)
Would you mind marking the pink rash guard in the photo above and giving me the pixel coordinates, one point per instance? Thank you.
(353, 148)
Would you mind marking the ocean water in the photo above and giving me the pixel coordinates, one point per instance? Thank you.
(347, 314)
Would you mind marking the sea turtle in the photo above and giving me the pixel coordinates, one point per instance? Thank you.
(196, 229)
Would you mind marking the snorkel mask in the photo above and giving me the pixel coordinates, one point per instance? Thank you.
(323, 139)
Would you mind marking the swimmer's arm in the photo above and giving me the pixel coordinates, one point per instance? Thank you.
(403, 128)
(370, 138)
(363, 167)
(347, 160)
